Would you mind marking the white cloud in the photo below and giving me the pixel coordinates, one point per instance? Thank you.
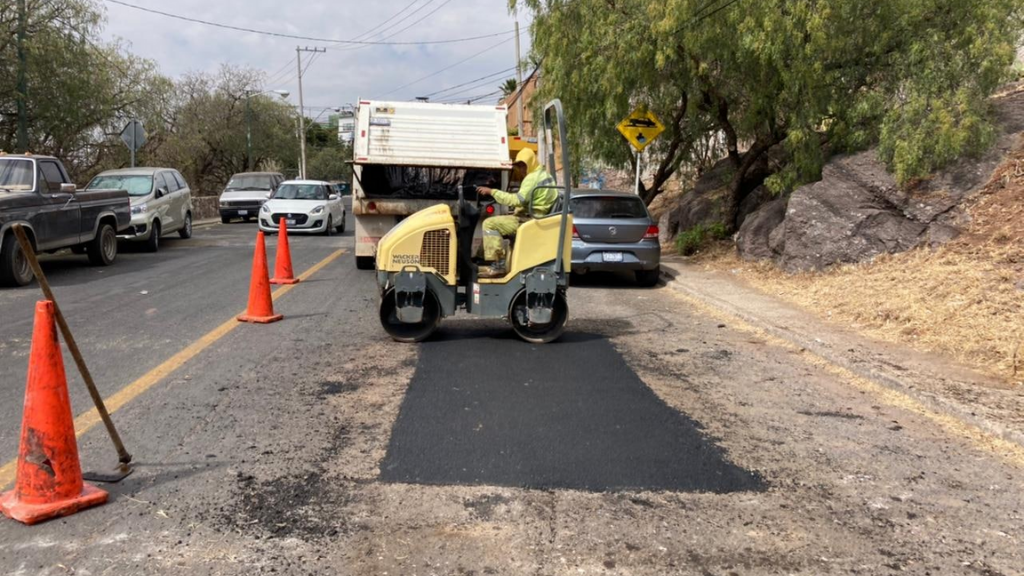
(342, 75)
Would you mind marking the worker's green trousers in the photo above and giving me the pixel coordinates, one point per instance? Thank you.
(495, 228)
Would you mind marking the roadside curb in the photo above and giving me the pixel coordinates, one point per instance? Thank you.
(869, 370)
(205, 223)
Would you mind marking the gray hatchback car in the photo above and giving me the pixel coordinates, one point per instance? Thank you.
(612, 231)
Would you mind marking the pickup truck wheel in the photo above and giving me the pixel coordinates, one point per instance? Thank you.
(225, 220)
(153, 243)
(103, 248)
(14, 268)
(186, 230)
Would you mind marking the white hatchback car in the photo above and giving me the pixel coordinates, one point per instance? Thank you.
(307, 205)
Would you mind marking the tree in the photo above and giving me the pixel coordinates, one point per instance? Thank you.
(204, 134)
(508, 87)
(330, 163)
(805, 77)
(78, 89)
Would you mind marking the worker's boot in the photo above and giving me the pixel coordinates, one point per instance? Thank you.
(496, 269)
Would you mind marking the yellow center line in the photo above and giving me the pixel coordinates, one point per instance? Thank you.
(1006, 450)
(85, 421)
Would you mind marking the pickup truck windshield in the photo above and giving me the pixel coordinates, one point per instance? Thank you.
(300, 192)
(15, 175)
(249, 183)
(138, 185)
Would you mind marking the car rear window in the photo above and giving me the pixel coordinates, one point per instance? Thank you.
(607, 207)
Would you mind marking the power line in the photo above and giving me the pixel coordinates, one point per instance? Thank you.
(281, 73)
(429, 14)
(469, 89)
(406, 17)
(471, 99)
(366, 34)
(446, 68)
(489, 76)
(309, 38)
(699, 16)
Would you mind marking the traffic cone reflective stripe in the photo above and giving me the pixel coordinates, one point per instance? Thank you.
(261, 305)
(283, 273)
(49, 476)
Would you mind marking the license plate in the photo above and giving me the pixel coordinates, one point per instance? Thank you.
(612, 256)
(290, 221)
(243, 212)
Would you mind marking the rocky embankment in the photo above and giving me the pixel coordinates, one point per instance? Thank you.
(856, 211)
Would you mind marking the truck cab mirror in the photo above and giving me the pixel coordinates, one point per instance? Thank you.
(67, 188)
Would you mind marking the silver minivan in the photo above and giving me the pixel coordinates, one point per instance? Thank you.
(161, 202)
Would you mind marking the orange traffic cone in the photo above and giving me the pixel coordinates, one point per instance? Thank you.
(283, 273)
(261, 305)
(49, 478)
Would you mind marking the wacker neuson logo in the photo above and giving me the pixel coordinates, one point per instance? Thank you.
(405, 259)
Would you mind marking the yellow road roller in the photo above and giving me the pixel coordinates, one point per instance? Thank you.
(426, 268)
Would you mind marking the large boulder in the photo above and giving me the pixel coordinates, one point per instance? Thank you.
(708, 203)
(754, 240)
(854, 213)
(857, 211)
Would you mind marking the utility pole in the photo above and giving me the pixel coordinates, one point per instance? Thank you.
(519, 82)
(302, 109)
(248, 134)
(22, 90)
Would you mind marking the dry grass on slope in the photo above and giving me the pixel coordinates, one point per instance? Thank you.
(964, 299)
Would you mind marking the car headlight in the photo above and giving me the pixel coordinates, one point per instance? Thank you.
(317, 210)
(139, 209)
(265, 209)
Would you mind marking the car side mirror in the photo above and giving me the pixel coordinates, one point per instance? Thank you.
(67, 188)
(161, 192)
(333, 197)
(269, 194)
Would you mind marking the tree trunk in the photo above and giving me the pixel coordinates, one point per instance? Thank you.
(740, 187)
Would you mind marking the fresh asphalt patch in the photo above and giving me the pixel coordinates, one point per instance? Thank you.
(482, 410)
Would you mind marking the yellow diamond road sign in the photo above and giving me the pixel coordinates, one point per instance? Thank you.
(641, 128)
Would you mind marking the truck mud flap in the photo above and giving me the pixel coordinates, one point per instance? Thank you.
(541, 288)
(410, 293)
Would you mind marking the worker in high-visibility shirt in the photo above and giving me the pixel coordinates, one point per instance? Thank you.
(537, 188)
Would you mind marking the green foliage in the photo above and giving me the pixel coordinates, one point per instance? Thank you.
(816, 75)
(331, 164)
(509, 86)
(82, 90)
(79, 89)
(690, 241)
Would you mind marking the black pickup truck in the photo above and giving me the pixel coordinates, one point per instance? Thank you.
(35, 191)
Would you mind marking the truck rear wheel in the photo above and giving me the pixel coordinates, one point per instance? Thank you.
(403, 332)
(14, 267)
(365, 263)
(102, 249)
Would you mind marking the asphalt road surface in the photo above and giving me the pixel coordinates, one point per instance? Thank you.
(653, 439)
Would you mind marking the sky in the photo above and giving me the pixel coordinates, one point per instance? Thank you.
(343, 74)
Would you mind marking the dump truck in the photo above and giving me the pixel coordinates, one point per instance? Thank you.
(408, 156)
